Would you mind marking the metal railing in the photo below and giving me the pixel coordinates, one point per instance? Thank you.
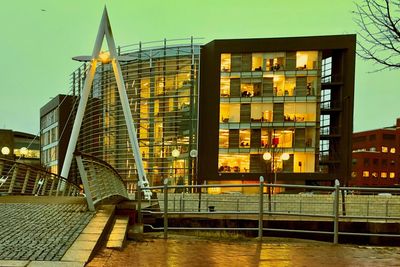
(17, 178)
(323, 203)
(100, 180)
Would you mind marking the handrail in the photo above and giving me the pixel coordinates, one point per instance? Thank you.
(337, 205)
(17, 178)
(100, 180)
(100, 161)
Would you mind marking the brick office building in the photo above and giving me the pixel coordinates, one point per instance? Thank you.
(376, 157)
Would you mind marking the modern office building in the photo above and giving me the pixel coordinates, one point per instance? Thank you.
(23, 147)
(55, 128)
(291, 97)
(376, 155)
(209, 112)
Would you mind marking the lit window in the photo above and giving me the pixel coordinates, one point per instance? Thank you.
(392, 175)
(384, 149)
(383, 174)
(375, 174)
(225, 62)
(365, 173)
(354, 174)
(393, 150)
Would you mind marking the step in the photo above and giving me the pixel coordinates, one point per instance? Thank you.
(117, 236)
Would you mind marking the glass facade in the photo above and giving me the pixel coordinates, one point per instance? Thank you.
(269, 102)
(49, 141)
(162, 89)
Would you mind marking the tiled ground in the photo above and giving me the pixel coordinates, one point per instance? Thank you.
(40, 231)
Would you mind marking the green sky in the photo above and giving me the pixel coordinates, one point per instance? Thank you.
(37, 46)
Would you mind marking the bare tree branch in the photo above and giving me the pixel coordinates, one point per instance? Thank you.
(379, 35)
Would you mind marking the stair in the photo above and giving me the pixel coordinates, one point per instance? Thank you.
(117, 236)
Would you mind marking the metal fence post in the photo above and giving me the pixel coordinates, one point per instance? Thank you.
(166, 208)
(261, 211)
(139, 201)
(13, 179)
(336, 213)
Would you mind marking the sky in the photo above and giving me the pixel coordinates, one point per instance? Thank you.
(39, 38)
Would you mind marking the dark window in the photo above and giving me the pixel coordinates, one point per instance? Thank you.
(366, 162)
(384, 162)
(359, 139)
(372, 137)
(389, 137)
(375, 161)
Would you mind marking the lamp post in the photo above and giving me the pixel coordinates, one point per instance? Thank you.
(268, 156)
(175, 154)
(192, 180)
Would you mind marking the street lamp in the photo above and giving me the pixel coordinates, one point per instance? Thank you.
(193, 155)
(5, 150)
(268, 156)
(175, 153)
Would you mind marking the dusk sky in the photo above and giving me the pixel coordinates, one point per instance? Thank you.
(40, 37)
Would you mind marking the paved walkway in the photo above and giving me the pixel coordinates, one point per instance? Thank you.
(40, 231)
(191, 251)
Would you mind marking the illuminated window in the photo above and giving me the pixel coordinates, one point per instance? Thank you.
(300, 112)
(392, 175)
(223, 138)
(375, 174)
(283, 138)
(225, 87)
(354, 174)
(230, 113)
(225, 62)
(384, 149)
(244, 138)
(365, 173)
(383, 174)
(393, 150)
(256, 62)
(306, 60)
(233, 163)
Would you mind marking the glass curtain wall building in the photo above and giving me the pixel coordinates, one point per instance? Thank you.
(162, 88)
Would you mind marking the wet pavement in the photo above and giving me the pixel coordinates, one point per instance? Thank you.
(180, 250)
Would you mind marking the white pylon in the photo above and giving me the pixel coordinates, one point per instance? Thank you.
(105, 30)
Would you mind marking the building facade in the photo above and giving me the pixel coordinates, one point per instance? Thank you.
(23, 147)
(55, 128)
(290, 96)
(376, 157)
(210, 112)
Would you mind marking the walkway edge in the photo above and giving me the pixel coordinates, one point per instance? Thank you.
(91, 237)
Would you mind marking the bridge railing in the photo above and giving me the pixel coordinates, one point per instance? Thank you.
(17, 178)
(333, 204)
(100, 180)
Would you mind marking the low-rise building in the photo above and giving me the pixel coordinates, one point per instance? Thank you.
(376, 155)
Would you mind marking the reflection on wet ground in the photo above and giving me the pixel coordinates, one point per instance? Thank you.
(193, 251)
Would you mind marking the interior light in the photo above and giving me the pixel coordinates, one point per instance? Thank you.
(23, 151)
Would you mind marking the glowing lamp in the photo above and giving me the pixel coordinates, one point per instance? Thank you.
(104, 57)
(175, 153)
(267, 156)
(5, 150)
(285, 156)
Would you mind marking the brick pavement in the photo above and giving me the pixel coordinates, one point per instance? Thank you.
(31, 231)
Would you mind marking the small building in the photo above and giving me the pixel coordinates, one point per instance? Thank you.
(20, 146)
(376, 156)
